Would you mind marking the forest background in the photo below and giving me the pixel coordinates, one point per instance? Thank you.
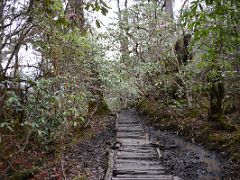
(58, 70)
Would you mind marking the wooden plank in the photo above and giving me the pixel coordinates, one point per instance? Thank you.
(130, 126)
(146, 176)
(136, 153)
(147, 145)
(131, 137)
(128, 122)
(137, 167)
(138, 150)
(130, 133)
(136, 158)
(130, 130)
(137, 163)
(136, 172)
(128, 141)
(140, 178)
(141, 162)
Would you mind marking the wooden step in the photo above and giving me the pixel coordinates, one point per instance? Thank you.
(136, 159)
(144, 178)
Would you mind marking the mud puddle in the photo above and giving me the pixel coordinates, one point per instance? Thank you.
(186, 159)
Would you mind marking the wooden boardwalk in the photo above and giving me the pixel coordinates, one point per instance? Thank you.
(136, 158)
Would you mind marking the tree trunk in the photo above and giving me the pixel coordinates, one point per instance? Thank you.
(98, 106)
(216, 96)
(1, 37)
(76, 9)
(123, 19)
(189, 98)
(169, 7)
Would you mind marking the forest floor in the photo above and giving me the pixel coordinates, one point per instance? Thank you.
(83, 158)
(87, 158)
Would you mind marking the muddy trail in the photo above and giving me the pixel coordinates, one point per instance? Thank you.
(142, 152)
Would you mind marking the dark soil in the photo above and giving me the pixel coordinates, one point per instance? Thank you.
(91, 156)
(87, 159)
(187, 159)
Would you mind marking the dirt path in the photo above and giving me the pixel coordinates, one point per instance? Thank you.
(137, 157)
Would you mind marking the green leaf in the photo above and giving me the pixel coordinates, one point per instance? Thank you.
(88, 6)
(2, 124)
(97, 7)
(47, 3)
(82, 119)
(104, 4)
(98, 24)
(104, 11)
(209, 2)
(40, 133)
(75, 123)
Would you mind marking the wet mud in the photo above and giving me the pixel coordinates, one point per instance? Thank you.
(187, 159)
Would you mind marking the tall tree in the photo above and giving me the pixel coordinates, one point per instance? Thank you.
(169, 7)
(124, 28)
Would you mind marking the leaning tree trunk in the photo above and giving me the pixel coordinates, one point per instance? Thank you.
(216, 95)
(98, 105)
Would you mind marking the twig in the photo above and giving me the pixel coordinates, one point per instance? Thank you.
(159, 153)
(111, 159)
(62, 166)
(161, 146)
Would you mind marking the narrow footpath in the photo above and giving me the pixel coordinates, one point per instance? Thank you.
(136, 158)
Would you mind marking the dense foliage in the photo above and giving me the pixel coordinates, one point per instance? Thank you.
(49, 64)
